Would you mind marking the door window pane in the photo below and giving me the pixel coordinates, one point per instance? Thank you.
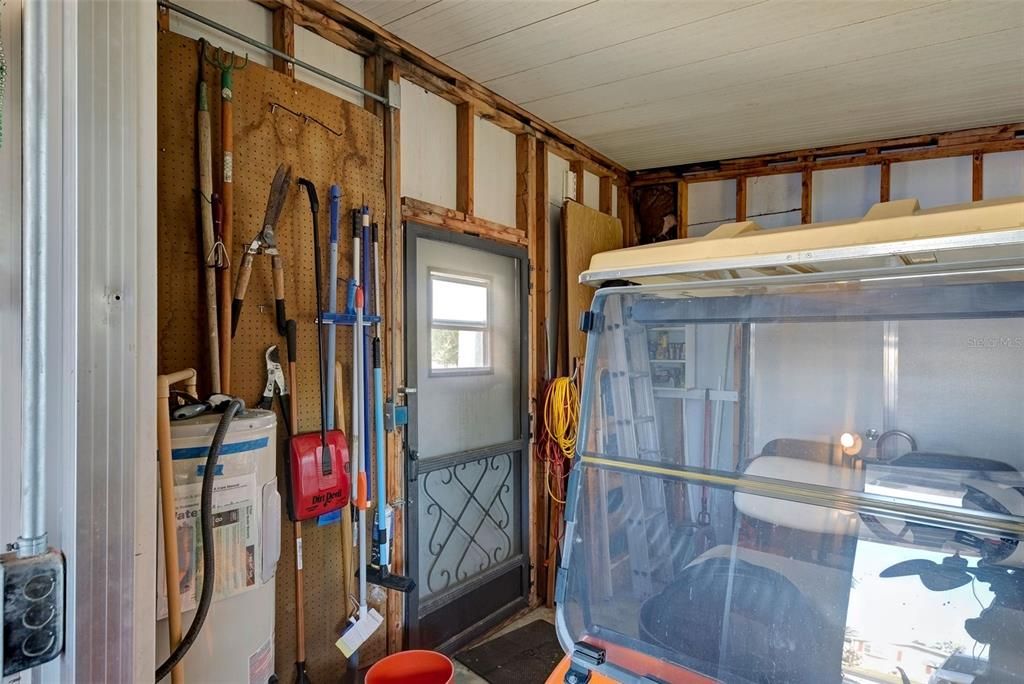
(459, 323)
(457, 299)
(457, 349)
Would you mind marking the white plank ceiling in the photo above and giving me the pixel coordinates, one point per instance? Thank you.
(658, 82)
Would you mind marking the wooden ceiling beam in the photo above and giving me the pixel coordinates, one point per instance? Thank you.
(985, 140)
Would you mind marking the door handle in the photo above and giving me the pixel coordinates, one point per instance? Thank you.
(413, 464)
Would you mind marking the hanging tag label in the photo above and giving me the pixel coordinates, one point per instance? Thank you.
(229, 163)
(298, 553)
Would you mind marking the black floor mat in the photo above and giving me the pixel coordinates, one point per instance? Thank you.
(525, 655)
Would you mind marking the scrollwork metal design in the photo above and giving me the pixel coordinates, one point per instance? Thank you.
(470, 498)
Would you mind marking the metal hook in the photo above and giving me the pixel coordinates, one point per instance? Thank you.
(227, 61)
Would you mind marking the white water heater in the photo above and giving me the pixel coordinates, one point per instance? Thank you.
(236, 643)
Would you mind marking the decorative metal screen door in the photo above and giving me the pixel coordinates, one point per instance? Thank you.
(467, 440)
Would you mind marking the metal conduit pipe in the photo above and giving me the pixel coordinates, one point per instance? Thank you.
(36, 296)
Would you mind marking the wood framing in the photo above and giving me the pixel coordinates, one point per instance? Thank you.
(986, 140)
(284, 39)
(394, 330)
(576, 169)
(682, 208)
(806, 181)
(978, 177)
(373, 80)
(973, 143)
(625, 211)
(465, 157)
(453, 219)
(605, 197)
(538, 248)
(741, 199)
(526, 220)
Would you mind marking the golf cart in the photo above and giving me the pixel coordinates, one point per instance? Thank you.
(800, 455)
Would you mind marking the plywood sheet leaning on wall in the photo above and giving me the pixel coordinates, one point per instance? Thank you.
(325, 139)
(587, 232)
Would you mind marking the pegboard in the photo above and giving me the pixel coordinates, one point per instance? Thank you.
(344, 145)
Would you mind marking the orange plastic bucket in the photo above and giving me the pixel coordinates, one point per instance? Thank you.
(412, 667)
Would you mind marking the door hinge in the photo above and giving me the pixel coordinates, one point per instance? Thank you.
(585, 657)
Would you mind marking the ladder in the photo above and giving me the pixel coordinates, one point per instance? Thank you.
(637, 438)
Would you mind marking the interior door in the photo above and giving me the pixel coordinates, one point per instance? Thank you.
(467, 440)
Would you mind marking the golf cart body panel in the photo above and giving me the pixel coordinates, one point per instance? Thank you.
(803, 469)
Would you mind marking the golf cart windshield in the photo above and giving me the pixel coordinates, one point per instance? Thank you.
(803, 478)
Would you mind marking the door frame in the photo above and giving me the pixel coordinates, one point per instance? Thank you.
(521, 444)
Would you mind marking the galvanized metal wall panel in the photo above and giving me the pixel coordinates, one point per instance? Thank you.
(114, 213)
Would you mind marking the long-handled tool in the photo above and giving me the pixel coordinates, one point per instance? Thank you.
(171, 565)
(379, 570)
(301, 677)
(332, 298)
(209, 255)
(265, 242)
(347, 544)
(359, 477)
(228, 63)
(367, 620)
(366, 360)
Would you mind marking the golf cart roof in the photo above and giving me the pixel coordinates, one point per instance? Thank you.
(890, 234)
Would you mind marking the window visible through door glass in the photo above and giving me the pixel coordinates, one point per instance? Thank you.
(459, 323)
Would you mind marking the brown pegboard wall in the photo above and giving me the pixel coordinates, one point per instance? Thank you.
(263, 139)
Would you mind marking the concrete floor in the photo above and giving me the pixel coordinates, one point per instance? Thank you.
(464, 675)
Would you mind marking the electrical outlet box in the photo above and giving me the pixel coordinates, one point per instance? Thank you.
(33, 609)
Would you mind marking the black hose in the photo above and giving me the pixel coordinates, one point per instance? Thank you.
(206, 530)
